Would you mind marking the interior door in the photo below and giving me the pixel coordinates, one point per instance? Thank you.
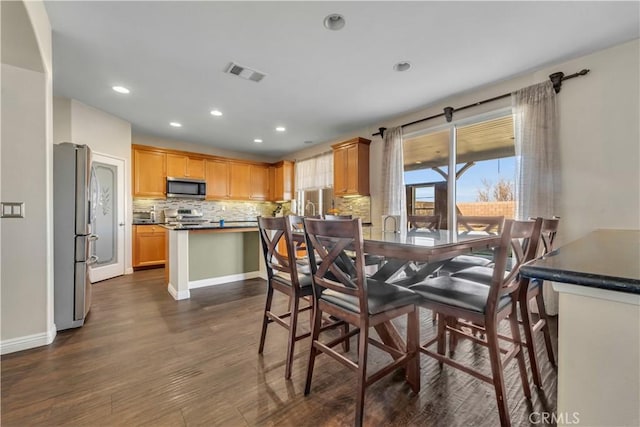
(109, 218)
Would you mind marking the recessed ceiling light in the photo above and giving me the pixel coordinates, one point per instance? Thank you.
(281, 128)
(121, 89)
(418, 162)
(402, 66)
(257, 141)
(334, 22)
(175, 124)
(216, 113)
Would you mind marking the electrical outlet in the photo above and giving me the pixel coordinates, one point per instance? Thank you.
(12, 209)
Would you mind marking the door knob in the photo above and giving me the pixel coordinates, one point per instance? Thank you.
(121, 224)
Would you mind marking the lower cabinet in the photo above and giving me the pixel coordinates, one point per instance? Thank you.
(149, 242)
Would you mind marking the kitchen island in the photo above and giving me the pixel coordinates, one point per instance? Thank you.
(598, 278)
(209, 254)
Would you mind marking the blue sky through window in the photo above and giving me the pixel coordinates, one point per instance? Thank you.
(469, 183)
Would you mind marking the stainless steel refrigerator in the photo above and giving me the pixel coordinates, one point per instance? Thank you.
(75, 196)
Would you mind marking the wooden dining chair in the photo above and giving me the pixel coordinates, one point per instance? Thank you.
(342, 290)
(529, 290)
(286, 275)
(482, 308)
(419, 223)
(488, 225)
(532, 289)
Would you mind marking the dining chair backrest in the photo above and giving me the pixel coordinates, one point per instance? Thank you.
(328, 242)
(548, 233)
(484, 224)
(279, 257)
(423, 222)
(520, 239)
(333, 217)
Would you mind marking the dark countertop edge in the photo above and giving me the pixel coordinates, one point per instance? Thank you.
(211, 227)
(619, 284)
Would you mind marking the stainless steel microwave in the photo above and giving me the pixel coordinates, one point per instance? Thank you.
(186, 188)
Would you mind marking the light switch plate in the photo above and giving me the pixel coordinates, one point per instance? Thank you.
(12, 210)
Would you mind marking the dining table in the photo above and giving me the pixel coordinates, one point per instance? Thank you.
(411, 257)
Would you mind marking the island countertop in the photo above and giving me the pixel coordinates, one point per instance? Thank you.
(231, 225)
(605, 259)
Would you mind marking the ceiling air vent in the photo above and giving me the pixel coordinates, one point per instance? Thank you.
(244, 72)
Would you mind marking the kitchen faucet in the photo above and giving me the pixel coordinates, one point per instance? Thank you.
(313, 206)
(395, 223)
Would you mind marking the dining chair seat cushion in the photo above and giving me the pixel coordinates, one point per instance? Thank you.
(381, 297)
(370, 259)
(303, 279)
(464, 261)
(477, 274)
(457, 292)
(484, 275)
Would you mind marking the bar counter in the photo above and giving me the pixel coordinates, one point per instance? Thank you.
(598, 279)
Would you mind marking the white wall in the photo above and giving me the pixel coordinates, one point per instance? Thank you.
(599, 138)
(26, 176)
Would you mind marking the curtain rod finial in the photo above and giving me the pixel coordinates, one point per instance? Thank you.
(448, 113)
(556, 79)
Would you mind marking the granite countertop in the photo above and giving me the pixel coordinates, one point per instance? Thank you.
(212, 225)
(605, 259)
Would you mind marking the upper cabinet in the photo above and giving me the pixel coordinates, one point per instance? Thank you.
(281, 180)
(227, 179)
(181, 166)
(259, 182)
(351, 167)
(240, 183)
(217, 175)
(149, 177)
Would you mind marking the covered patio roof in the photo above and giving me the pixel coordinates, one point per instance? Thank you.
(488, 140)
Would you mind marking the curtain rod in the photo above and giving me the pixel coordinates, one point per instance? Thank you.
(556, 79)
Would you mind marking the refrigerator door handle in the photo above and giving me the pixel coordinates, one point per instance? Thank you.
(93, 237)
(92, 260)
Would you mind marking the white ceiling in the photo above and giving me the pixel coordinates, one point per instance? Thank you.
(320, 84)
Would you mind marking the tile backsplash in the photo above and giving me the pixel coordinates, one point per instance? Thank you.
(359, 207)
(213, 210)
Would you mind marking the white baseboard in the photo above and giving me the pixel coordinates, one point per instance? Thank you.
(223, 279)
(178, 295)
(128, 271)
(263, 275)
(29, 341)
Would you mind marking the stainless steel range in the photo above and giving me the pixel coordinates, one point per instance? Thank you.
(183, 216)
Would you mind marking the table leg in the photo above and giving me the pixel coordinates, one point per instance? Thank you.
(412, 373)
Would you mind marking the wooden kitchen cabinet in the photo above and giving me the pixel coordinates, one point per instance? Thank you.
(149, 243)
(351, 167)
(149, 177)
(281, 177)
(259, 182)
(240, 181)
(180, 166)
(217, 175)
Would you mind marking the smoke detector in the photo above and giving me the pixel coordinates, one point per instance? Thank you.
(244, 72)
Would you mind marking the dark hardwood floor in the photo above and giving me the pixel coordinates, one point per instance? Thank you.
(143, 358)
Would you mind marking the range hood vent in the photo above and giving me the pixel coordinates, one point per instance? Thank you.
(244, 72)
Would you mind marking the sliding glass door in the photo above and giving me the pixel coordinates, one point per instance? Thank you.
(480, 151)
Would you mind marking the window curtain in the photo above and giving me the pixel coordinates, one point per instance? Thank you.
(537, 160)
(314, 173)
(394, 200)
